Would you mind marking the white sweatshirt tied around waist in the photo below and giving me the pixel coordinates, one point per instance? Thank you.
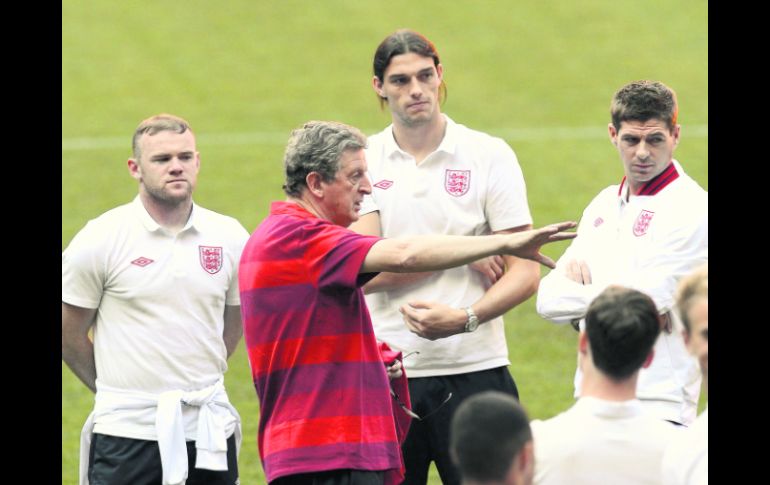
(216, 417)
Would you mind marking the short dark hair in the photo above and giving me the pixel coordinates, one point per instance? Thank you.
(642, 101)
(155, 124)
(317, 147)
(487, 432)
(402, 42)
(692, 288)
(622, 325)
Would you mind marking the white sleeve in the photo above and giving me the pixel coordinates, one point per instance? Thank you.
(506, 203)
(240, 237)
(559, 298)
(82, 270)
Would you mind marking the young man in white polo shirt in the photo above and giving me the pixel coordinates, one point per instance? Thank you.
(607, 436)
(431, 175)
(157, 281)
(645, 233)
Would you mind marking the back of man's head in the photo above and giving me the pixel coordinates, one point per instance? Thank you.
(488, 431)
(622, 325)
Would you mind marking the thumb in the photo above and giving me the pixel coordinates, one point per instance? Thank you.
(545, 260)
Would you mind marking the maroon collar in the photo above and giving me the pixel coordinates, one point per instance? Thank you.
(668, 175)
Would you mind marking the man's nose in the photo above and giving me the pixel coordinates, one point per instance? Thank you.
(642, 151)
(415, 89)
(366, 185)
(175, 165)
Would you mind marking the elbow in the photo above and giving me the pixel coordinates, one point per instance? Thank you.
(531, 278)
(405, 258)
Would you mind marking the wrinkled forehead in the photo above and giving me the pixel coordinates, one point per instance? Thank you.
(352, 159)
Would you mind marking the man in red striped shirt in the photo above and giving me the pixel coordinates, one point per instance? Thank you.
(326, 409)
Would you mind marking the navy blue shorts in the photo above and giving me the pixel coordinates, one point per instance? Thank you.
(428, 439)
(115, 460)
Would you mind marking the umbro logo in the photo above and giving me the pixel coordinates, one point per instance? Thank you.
(142, 262)
(598, 222)
(384, 184)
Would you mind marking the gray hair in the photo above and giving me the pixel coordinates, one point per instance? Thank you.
(317, 147)
(155, 124)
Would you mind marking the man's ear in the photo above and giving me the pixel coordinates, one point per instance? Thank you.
(523, 466)
(134, 169)
(377, 86)
(315, 184)
(649, 358)
(583, 342)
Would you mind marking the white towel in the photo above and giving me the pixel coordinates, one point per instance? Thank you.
(216, 414)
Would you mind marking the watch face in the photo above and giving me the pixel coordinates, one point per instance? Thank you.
(472, 325)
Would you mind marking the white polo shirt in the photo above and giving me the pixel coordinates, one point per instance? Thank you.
(686, 460)
(648, 243)
(598, 441)
(471, 184)
(160, 301)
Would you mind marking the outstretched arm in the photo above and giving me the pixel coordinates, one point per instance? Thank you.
(430, 253)
(77, 350)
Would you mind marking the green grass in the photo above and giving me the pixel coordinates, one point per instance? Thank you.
(255, 70)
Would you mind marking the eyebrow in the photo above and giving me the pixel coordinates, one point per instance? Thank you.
(158, 156)
(397, 75)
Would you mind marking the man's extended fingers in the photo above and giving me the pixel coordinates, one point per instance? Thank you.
(563, 226)
(562, 236)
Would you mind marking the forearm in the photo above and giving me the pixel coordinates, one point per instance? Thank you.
(78, 354)
(430, 253)
(231, 341)
(519, 282)
(562, 300)
(233, 328)
(390, 281)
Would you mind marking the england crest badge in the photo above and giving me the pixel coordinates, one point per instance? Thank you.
(211, 258)
(642, 223)
(457, 182)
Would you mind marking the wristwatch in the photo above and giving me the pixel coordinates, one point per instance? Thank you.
(473, 321)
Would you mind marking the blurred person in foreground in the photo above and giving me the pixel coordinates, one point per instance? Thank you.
(607, 436)
(327, 409)
(431, 175)
(491, 441)
(156, 281)
(686, 460)
(645, 233)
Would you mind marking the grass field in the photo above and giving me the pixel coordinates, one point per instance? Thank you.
(539, 73)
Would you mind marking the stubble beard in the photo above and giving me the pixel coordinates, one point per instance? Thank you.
(164, 198)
